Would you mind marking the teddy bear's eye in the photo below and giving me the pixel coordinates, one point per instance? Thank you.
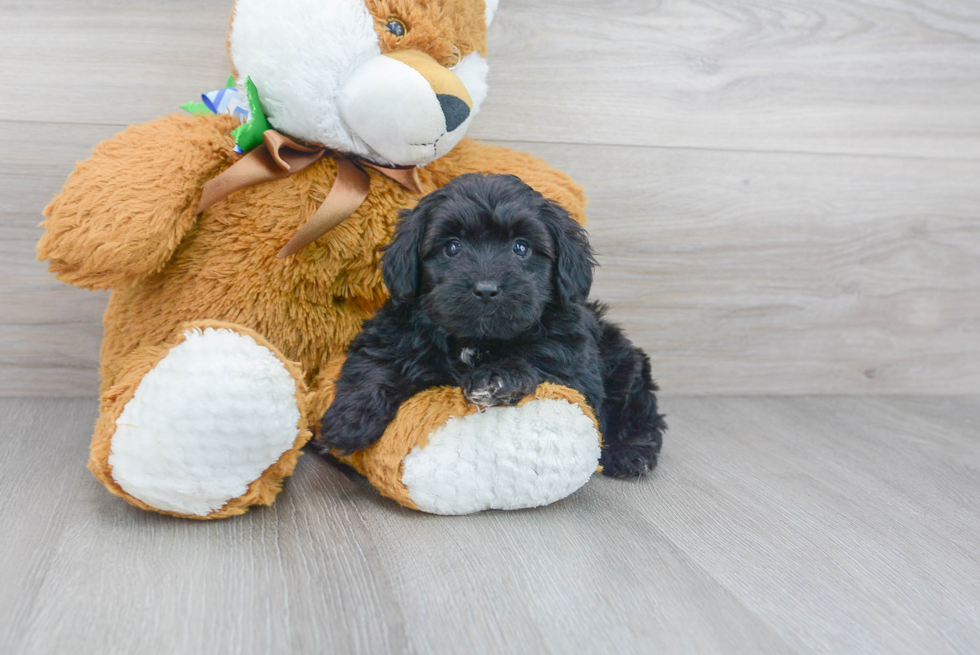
(455, 58)
(396, 27)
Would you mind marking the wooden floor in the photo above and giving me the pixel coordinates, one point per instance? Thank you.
(793, 525)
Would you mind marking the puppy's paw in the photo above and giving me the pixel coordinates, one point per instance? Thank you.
(491, 387)
(629, 460)
(344, 437)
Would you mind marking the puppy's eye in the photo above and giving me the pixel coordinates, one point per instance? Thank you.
(452, 248)
(396, 27)
(521, 249)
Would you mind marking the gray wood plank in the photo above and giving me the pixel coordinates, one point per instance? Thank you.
(41, 465)
(811, 525)
(897, 77)
(49, 332)
(582, 576)
(333, 566)
(300, 577)
(850, 525)
(109, 61)
(739, 272)
(789, 274)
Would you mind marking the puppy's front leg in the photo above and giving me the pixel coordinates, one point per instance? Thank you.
(500, 383)
(366, 402)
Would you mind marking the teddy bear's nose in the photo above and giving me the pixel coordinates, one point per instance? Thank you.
(454, 109)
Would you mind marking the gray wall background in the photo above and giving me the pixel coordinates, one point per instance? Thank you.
(785, 196)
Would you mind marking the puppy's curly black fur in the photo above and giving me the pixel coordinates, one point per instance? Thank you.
(489, 285)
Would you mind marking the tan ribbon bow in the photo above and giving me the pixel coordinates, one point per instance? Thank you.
(279, 157)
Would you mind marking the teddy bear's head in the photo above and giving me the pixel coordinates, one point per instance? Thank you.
(393, 81)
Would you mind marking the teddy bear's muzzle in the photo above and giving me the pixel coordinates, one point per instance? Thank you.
(433, 107)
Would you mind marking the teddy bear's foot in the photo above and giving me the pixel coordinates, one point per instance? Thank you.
(443, 455)
(211, 427)
(503, 458)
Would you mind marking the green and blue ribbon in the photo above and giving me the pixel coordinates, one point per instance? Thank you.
(241, 102)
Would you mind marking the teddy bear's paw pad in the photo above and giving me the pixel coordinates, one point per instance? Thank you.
(503, 458)
(205, 423)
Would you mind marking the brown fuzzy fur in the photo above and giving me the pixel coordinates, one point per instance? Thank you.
(125, 219)
(432, 27)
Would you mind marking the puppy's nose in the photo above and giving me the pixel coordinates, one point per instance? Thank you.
(486, 290)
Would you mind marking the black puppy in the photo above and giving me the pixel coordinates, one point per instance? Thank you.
(489, 285)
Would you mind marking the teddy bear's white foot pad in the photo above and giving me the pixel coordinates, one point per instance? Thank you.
(204, 423)
(503, 458)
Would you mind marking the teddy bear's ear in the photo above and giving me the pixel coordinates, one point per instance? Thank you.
(491, 10)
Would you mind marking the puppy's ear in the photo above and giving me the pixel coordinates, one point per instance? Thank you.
(574, 260)
(400, 265)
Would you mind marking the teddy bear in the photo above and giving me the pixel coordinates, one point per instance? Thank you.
(242, 251)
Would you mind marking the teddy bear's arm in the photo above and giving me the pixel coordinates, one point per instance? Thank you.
(124, 211)
(472, 156)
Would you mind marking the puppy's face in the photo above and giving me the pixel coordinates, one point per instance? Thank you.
(486, 254)
(486, 270)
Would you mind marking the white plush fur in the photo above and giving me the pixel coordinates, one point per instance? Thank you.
(414, 132)
(491, 10)
(472, 71)
(504, 458)
(393, 108)
(321, 78)
(207, 421)
(299, 53)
